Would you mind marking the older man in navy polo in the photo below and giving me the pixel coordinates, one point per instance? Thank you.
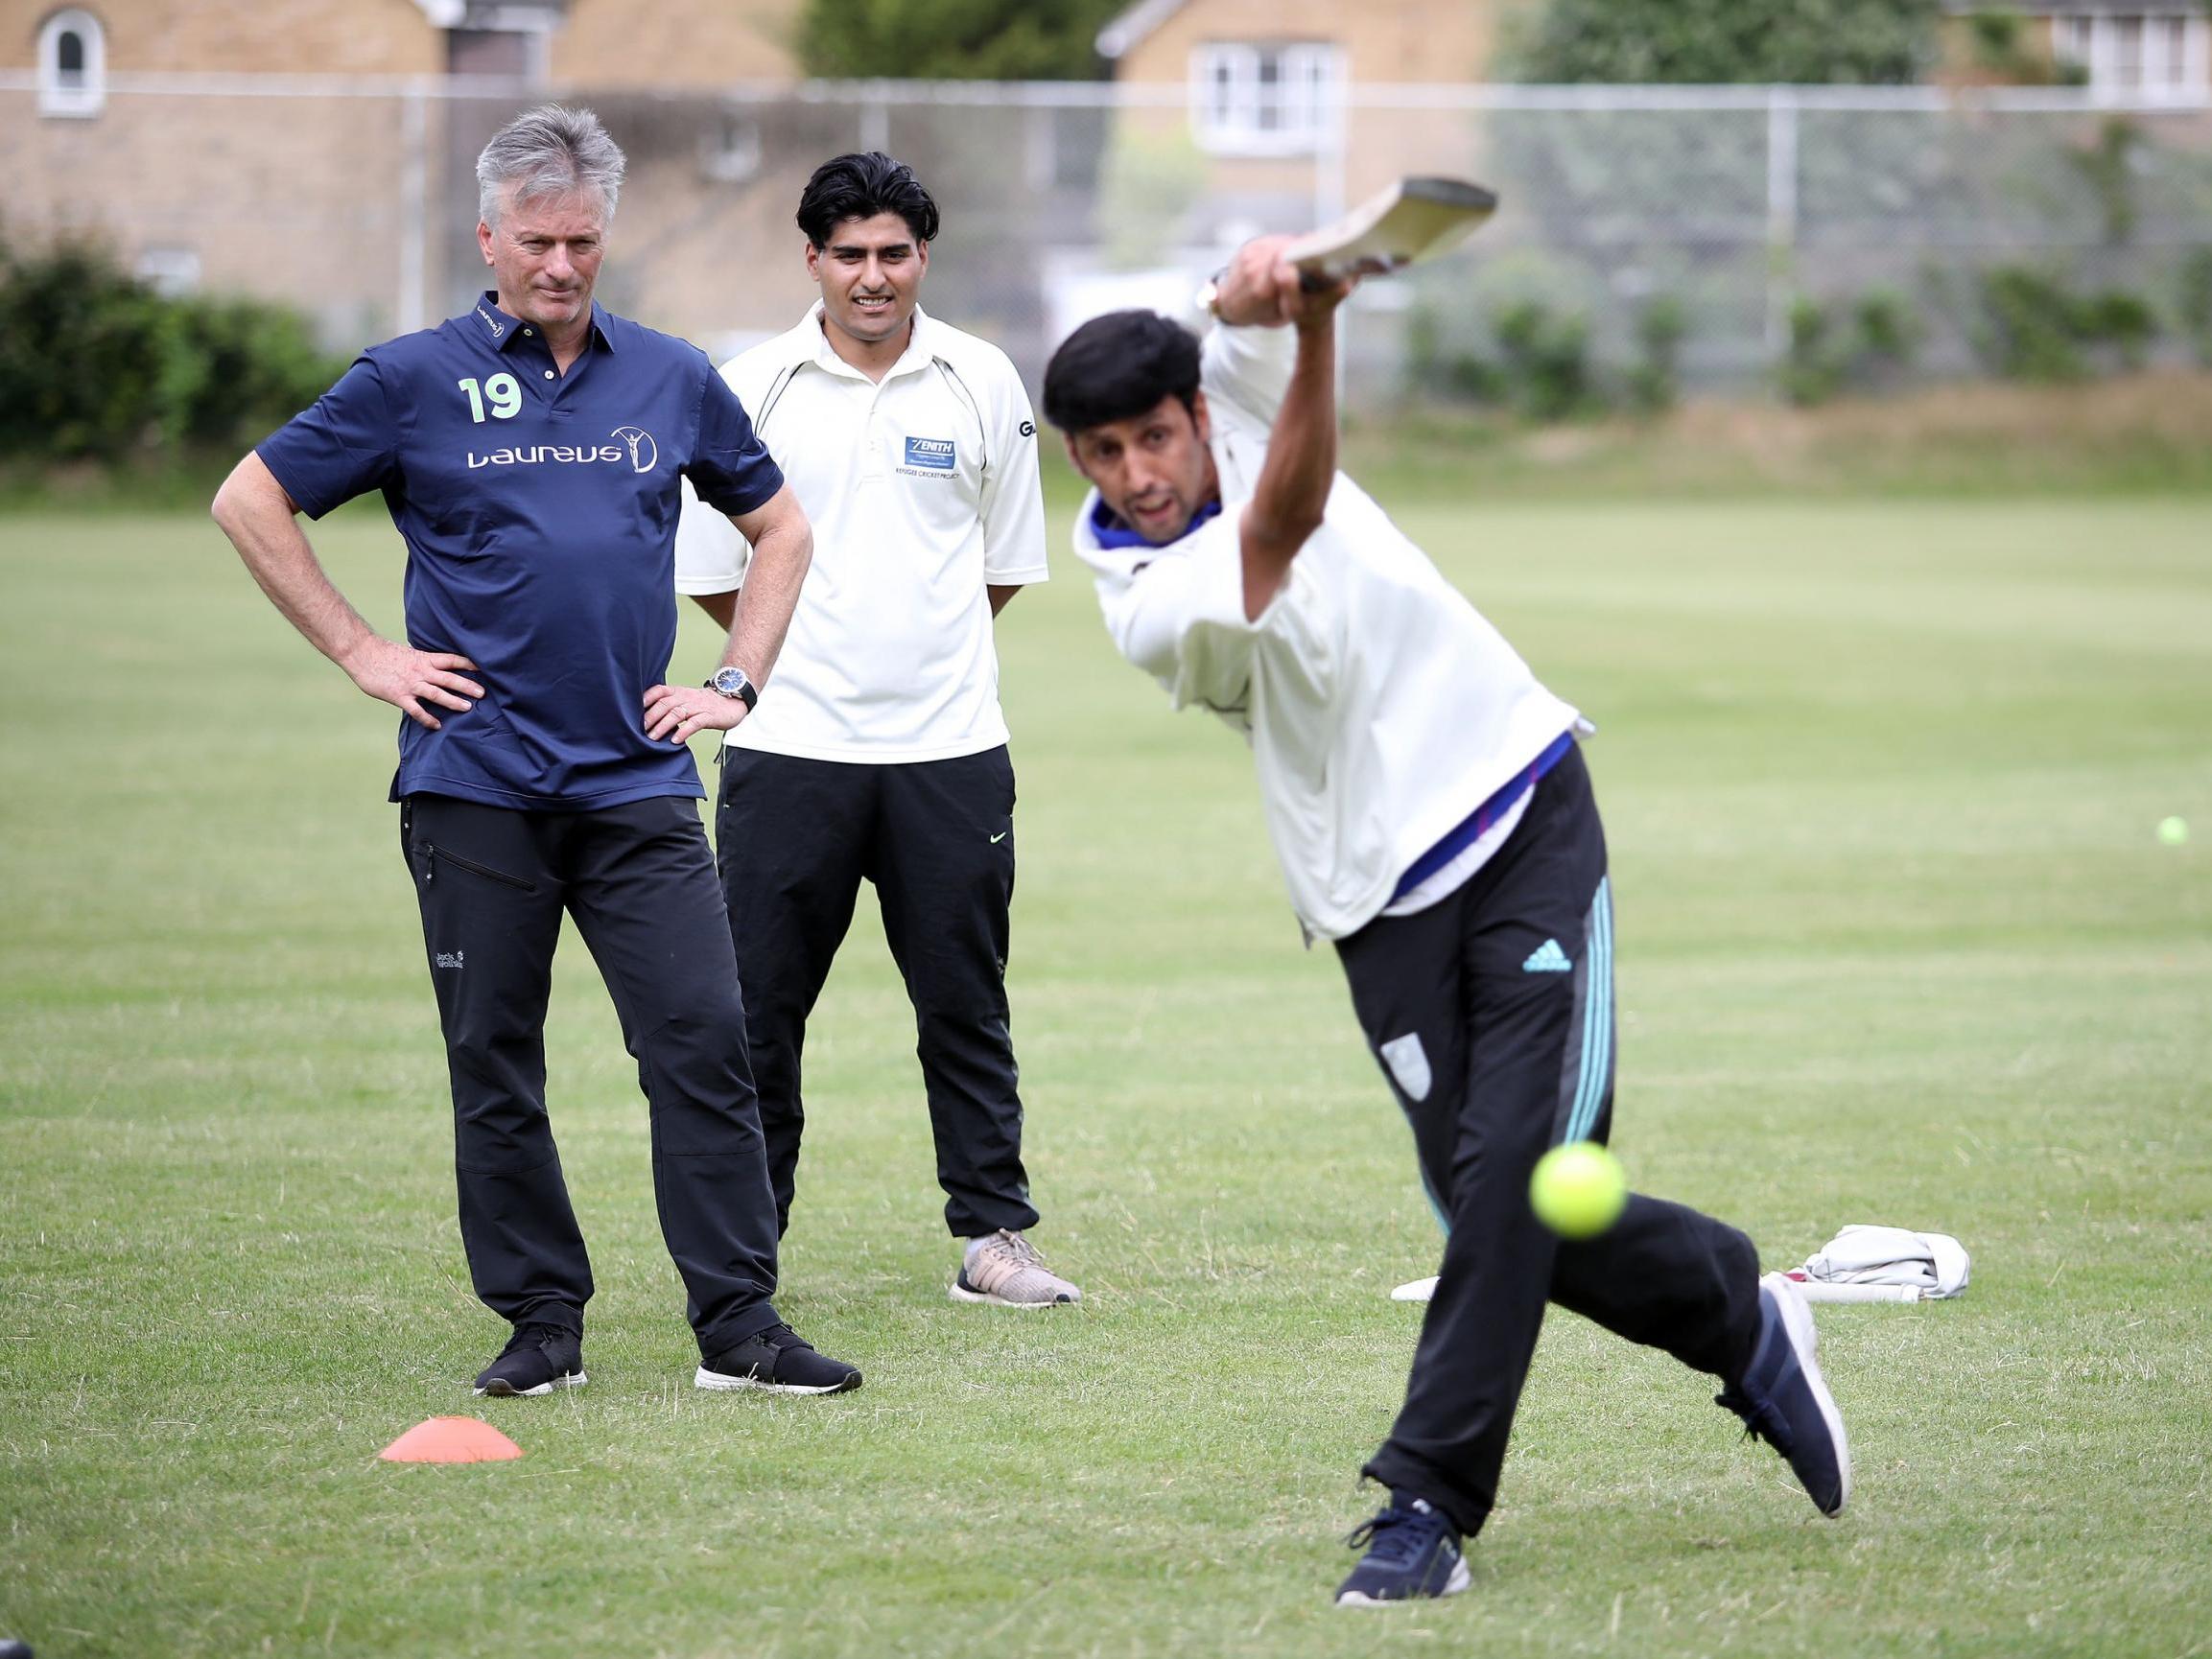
(531, 453)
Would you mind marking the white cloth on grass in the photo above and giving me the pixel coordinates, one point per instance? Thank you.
(1933, 1264)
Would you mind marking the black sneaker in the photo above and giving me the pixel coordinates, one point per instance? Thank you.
(1412, 1552)
(780, 1361)
(538, 1359)
(1783, 1401)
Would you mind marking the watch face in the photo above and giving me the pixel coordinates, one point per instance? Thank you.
(730, 681)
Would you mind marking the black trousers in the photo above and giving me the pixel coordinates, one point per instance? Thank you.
(795, 839)
(1492, 1012)
(640, 882)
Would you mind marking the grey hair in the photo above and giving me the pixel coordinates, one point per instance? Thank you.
(550, 150)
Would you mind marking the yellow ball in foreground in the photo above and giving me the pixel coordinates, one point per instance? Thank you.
(1578, 1189)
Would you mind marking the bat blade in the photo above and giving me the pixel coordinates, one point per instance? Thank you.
(1416, 218)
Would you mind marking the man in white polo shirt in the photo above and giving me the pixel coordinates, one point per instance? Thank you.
(1434, 818)
(878, 752)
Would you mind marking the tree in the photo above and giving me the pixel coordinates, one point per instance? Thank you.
(954, 39)
(1719, 41)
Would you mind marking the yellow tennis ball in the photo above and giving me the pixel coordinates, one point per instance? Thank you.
(1578, 1189)
(2172, 831)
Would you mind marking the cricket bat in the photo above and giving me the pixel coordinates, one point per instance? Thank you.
(1416, 218)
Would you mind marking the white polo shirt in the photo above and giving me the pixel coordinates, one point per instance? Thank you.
(1383, 708)
(922, 491)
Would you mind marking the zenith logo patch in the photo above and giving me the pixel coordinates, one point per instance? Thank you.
(935, 454)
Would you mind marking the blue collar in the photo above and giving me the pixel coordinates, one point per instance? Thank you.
(1112, 532)
(505, 329)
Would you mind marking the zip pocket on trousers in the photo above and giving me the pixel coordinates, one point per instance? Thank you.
(432, 852)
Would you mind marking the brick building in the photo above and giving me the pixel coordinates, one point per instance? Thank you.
(318, 151)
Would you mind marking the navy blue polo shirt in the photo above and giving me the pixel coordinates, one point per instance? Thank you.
(540, 512)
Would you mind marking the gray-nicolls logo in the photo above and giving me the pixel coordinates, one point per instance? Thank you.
(644, 454)
(451, 958)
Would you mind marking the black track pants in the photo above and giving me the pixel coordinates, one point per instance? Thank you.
(1492, 1012)
(795, 839)
(640, 882)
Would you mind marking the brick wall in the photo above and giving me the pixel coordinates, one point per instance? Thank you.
(288, 198)
(693, 43)
(603, 43)
(243, 37)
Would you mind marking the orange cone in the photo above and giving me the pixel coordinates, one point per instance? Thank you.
(451, 1440)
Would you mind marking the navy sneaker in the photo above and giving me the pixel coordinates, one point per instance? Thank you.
(1412, 1552)
(538, 1359)
(780, 1361)
(1783, 1401)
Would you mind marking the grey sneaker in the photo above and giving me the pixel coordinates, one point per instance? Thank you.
(1005, 1268)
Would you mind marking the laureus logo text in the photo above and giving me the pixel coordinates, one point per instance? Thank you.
(636, 448)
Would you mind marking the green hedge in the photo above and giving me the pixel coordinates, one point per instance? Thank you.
(96, 367)
(1705, 41)
(954, 39)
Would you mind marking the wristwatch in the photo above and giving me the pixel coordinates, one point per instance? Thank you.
(733, 683)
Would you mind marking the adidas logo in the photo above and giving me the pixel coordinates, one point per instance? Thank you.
(1547, 958)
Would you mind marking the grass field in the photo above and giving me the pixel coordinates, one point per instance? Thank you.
(1897, 943)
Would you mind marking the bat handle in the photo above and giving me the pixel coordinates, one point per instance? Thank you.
(1313, 279)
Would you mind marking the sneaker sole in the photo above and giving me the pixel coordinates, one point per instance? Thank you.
(722, 1383)
(1459, 1580)
(508, 1391)
(961, 1294)
(1805, 1342)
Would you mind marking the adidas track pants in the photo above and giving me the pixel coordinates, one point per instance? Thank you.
(1492, 1013)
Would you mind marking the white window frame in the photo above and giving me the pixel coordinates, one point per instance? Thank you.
(1234, 114)
(2091, 40)
(86, 95)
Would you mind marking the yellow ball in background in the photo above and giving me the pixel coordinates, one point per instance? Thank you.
(1578, 1189)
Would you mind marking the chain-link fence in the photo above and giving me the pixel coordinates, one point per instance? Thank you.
(1729, 238)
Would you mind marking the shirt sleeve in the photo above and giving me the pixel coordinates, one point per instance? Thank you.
(731, 470)
(1013, 495)
(711, 555)
(345, 446)
(1249, 366)
(1180, 619)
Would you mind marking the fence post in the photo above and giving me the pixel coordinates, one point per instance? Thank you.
(413, 304)
(1782, 217)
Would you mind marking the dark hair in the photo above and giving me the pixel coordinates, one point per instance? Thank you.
(1118, 366)
(860, 186)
